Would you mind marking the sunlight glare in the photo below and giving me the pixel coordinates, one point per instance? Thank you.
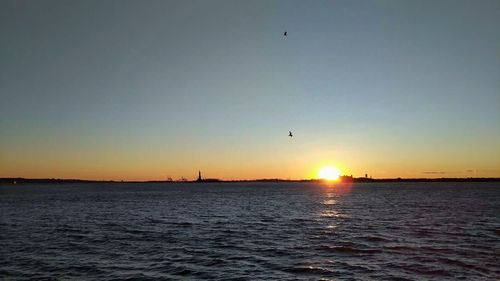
(329, 173)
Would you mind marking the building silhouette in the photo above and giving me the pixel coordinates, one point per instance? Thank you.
(201, 179)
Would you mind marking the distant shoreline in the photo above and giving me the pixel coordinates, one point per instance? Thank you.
(350, 180)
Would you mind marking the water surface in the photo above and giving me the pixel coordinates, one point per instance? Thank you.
(249, 231)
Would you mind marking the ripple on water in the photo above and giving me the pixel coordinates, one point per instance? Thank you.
(287, 231)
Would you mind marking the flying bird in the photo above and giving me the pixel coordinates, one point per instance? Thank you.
(285, 33)
(290, 134)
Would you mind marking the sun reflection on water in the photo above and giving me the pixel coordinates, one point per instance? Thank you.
(329, 202)
(331, 212)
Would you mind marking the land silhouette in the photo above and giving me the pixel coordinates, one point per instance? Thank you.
(200, 179)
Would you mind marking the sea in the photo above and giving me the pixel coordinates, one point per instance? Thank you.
(250, 231)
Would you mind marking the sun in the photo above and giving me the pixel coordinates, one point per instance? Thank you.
(329, 173)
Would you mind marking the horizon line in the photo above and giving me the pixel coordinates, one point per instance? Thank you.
(342, 179)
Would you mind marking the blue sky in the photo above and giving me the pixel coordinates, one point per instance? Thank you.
(149, 89)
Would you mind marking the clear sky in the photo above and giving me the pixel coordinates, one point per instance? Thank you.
(141, 90)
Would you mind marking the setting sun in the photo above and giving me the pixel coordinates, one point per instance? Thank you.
(329, 173)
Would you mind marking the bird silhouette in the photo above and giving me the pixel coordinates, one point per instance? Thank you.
(290, 134)
(285, 33)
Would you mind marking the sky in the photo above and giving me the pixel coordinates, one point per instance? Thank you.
(146, 90)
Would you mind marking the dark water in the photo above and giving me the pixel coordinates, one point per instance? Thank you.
(250, 231)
